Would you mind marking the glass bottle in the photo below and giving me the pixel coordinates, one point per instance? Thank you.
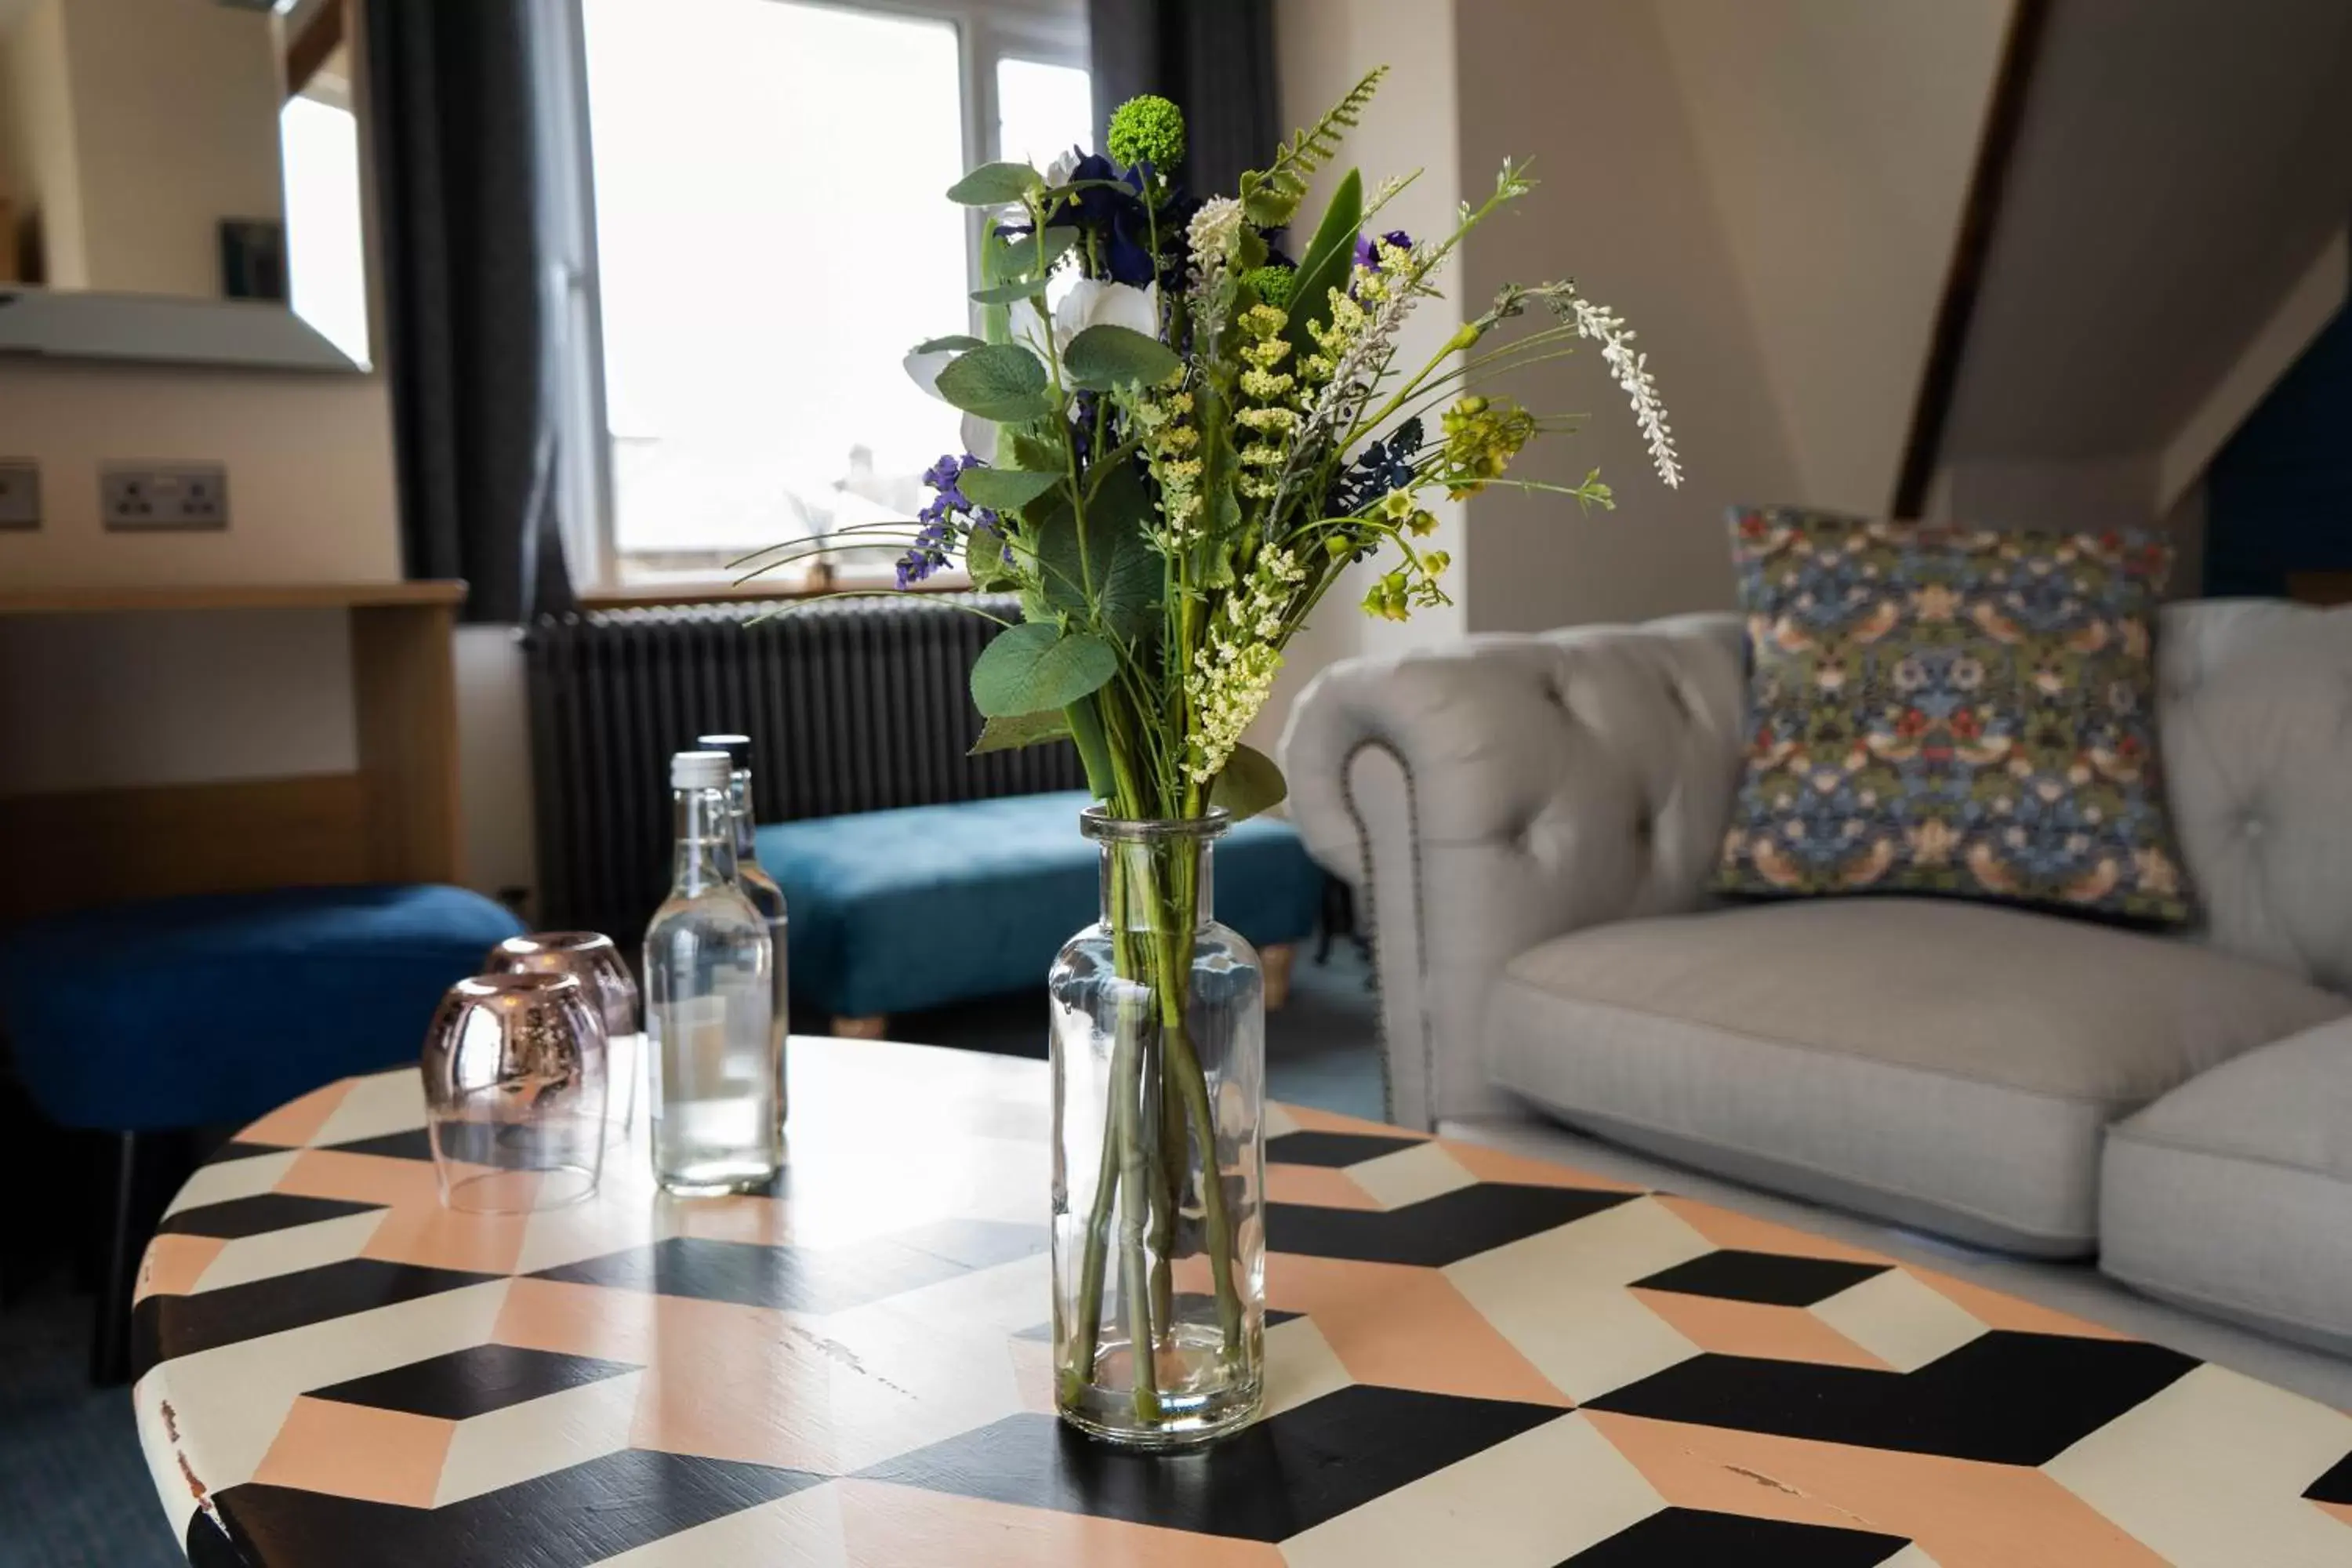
(757, 886)
(1159, 1063)
(716, 1078)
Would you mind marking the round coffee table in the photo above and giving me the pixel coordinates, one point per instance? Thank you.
(1475, 1358)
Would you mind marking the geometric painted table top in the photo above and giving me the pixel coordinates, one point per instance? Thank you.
(1474, 1357)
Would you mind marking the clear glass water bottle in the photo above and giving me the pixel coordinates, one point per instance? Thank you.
(757, 886)
(716, 1074)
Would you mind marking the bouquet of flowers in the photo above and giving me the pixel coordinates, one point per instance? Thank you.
(1201, 420)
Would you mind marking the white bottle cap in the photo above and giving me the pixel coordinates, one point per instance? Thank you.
(700, 770)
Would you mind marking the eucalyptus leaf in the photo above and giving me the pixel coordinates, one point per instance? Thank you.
(1117, 578)
(995, 185)
(1250, 783)
(1008, 294)
(1035, 666)
(1027, 255)
(954, 345)
(1104, 356)
(1013, 731)
(1004, 489)
(1003, 381)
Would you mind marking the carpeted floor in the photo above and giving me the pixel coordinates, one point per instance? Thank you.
(74, 1488)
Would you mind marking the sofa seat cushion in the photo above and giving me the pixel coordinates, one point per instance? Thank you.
(895, 910)
(192, 1010)
(2234, 1193)
(1940, 1063)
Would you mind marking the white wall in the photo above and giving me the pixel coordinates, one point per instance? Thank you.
(1323, 48)
(1838, 141)
(1586, 89)
(175, 112)
(36, 96)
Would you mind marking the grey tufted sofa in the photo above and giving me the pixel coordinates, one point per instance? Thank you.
(1532, 822)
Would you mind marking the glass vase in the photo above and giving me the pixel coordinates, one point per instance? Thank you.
(1158, 1058)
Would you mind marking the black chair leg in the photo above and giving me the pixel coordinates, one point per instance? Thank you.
(147, 1166)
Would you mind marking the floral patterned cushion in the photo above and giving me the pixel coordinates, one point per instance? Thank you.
(1936, 709)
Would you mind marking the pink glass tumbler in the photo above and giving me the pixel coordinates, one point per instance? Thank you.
(515, 1093)
(612, 990)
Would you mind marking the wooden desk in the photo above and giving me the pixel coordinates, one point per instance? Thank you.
(394, 818)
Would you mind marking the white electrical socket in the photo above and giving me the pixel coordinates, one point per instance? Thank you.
(147, 496)
(20, 493)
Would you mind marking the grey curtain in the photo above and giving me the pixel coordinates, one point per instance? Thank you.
(461, 173)
(1214, 59)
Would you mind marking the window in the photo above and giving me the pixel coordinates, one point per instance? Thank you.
(326, 256)
(771, 237)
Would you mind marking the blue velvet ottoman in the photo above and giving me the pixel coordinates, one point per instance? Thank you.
(897, 911)
(187, 1012)
(148, 1018)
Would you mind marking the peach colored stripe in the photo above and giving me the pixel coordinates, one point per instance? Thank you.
(1501, 1166)
(174, 1263)
(1323, 1186)
(1996, 1310)
(1311, 1119)
(723, 1380)
(759, 1222)
(1403, 1327)
(298, 1121)
(1747, 1234)
(1964, 1513)
(354, 1451)
(2341, 1511)
(579, 1320)
(1756, 1329)
(887, 1526)
(1033, 1373)
(418, 1230)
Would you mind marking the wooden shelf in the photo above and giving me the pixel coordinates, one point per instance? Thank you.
(100, 601)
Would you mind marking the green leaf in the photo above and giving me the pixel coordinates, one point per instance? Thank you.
(1004, 489)
(1040, 457)
(1031, 259)
(1093, 748)
(1003, 381)
(995, 185)
(1008, 294)
(1117, 576)
(1329, 261)
(1013, 731)
(956, 343)
(1035, 666)
(1106, 357)
(1250, 783)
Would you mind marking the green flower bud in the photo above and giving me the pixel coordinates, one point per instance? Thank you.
(1274, 285)
(1148, 128)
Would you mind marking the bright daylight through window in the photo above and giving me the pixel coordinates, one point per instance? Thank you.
(761, 281)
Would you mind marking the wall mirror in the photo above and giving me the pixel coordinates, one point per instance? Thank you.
(180, 181)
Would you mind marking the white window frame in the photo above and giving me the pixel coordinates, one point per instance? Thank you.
(987, 32)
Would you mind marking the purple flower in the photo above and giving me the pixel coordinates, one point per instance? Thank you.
(936, 542)
(1368, 255)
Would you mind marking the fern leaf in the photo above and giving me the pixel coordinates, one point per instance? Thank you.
(1271, 196)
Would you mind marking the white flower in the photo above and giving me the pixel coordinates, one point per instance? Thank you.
(1059, 170)
(1091, 302)
(923, 369)
(1214, 230)
(1608, 328)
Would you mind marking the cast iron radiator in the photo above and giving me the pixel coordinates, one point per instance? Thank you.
(853, 705)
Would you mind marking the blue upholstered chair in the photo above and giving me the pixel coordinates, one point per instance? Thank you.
(144, 1019)
(897, 911)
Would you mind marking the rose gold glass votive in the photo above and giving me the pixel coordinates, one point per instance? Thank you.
(612, 990)
(515, 1093)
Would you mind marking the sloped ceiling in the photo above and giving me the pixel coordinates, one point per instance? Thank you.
(2179, 164)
